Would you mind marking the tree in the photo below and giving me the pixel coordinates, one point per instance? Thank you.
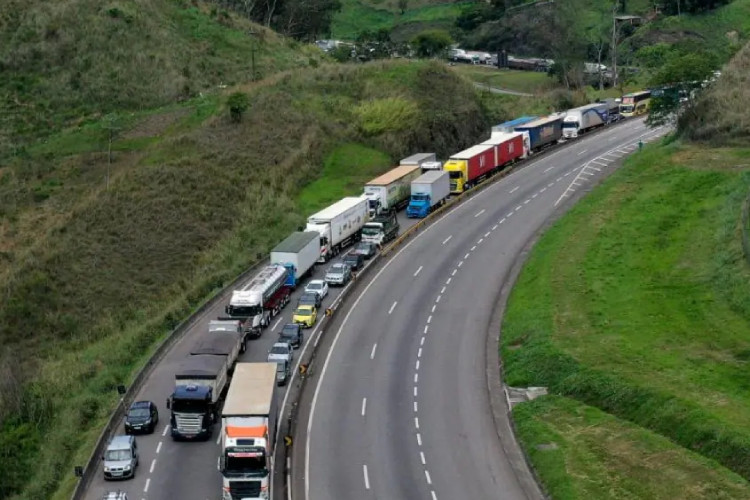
(342, 53)
(237, 103)
(402, 5)
(431, 43)
(682, 79)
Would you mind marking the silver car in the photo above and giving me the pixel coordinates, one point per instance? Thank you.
(338, 274)
(120, 458)
(281, 351)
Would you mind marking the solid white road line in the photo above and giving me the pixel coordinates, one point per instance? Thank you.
(515, 189)
(276, 324)
(418, 271)
(364, 406)
(367, 478)
(372, 353)
(393, 306)
(479, 213)
(446, 240)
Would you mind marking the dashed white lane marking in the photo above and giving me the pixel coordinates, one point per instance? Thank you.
(158, 447)
(542, 190)
(467, 255)
(153, 464)
(518, 208)
(526, 201)
(419, 439)
(367, 477)
(582, 152)
(509, 214)
(419, 353)
(548, 169)
(437, 299)
(393, 306)
(421, 456)
(418, 271)
(416, 422)
(558, 179)
(494, 227)
(415, 391)
(534, 195)
(364, 406)
(276, 324)
(416, 378)
(427, 476)
(429, 319)
(426, 328)
(479, 213)
(502, 220)
(479, 241)
(446, 240)
(434, 307)
(416, 367)
(145, 487)
(166, 429)
(218, 439)
(421, 342)
(434, 496)
(448, 281)
(416, 407)
(514, 190)
(372, 353)
(550, 184)
(442, 290)
(460, 263)
(454, 272)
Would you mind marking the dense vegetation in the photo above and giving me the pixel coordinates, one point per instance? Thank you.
(102, 254)
(636, 303)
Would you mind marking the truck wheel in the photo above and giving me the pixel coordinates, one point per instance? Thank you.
(243, 346)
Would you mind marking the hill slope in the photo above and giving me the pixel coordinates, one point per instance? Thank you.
(94, 272)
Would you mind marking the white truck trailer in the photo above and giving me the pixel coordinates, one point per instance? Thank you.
(580, 120)
(391, 190)
(429, 190)
(298, 253)
(419, 159)
(248, 432)
(338, 225)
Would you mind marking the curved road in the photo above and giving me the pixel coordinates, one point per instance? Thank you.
(401, 409)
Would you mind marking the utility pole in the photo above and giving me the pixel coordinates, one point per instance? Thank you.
(614, 44)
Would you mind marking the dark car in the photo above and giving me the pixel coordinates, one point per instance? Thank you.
(309, 298)
(366, 250)
(142, 416)
(354, 261)
(291, 334)
(283, 371)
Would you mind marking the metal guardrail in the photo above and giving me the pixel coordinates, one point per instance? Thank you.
(91, 466)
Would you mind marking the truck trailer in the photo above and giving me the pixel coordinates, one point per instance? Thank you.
(391, 190)
(226, 344)
(580, 120)
(338, 225)
(260, 300)
(510, 126)
(419, 159)
(298, 253)
(199, 386)
(428, 191)
(509, 147)
(543, 131)
(381, 229)
(248, 432)
(469, 167)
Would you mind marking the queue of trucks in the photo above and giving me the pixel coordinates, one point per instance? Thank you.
(420, 183)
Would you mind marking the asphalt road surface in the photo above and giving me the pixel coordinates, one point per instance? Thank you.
(401, 413)
(401, 408)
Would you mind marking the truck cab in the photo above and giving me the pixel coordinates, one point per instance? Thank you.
(458, 175)
(244, 464)
(381, 230)
(419, 206)
(192, 412)
(245, 307)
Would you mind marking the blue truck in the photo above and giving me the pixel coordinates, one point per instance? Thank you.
(542, 131)
(429, 190)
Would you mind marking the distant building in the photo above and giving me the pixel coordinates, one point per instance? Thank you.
(631, 20)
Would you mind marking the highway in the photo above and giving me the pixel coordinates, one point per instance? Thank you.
(188, 470)
(401, 408)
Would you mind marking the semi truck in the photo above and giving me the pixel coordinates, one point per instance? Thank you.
(542, 131)
(231, 326)
(260, 300)
(419, 159)
(248, 432)
(509, 126)
(222, 344)
(381, 229)
(200, 381)
(298, 253)
(429, 190)
(580, 120)
(469, 167)
(391, 190)
(338, 225)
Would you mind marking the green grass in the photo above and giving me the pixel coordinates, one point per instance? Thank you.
(581, 452)
(637, 301)
(357, 16)
(522, 81)
(193, 198)
(345, 170)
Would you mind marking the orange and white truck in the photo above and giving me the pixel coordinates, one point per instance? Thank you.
(248, 431)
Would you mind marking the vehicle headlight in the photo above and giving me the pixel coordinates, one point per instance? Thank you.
(106, 469)
(127, 467)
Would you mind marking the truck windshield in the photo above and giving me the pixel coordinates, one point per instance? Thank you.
(189, 406)
(371, 231)
(242, 461)
(454, 175)
(418, 197)
(570, 124)
(244, 311)
(627, 108)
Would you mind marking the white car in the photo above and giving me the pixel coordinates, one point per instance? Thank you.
(317, 286)
(280, 351)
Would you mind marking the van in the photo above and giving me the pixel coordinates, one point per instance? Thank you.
(120, 458)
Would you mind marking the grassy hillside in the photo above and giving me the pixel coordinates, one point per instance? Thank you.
(66, 62)
(94, 275)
